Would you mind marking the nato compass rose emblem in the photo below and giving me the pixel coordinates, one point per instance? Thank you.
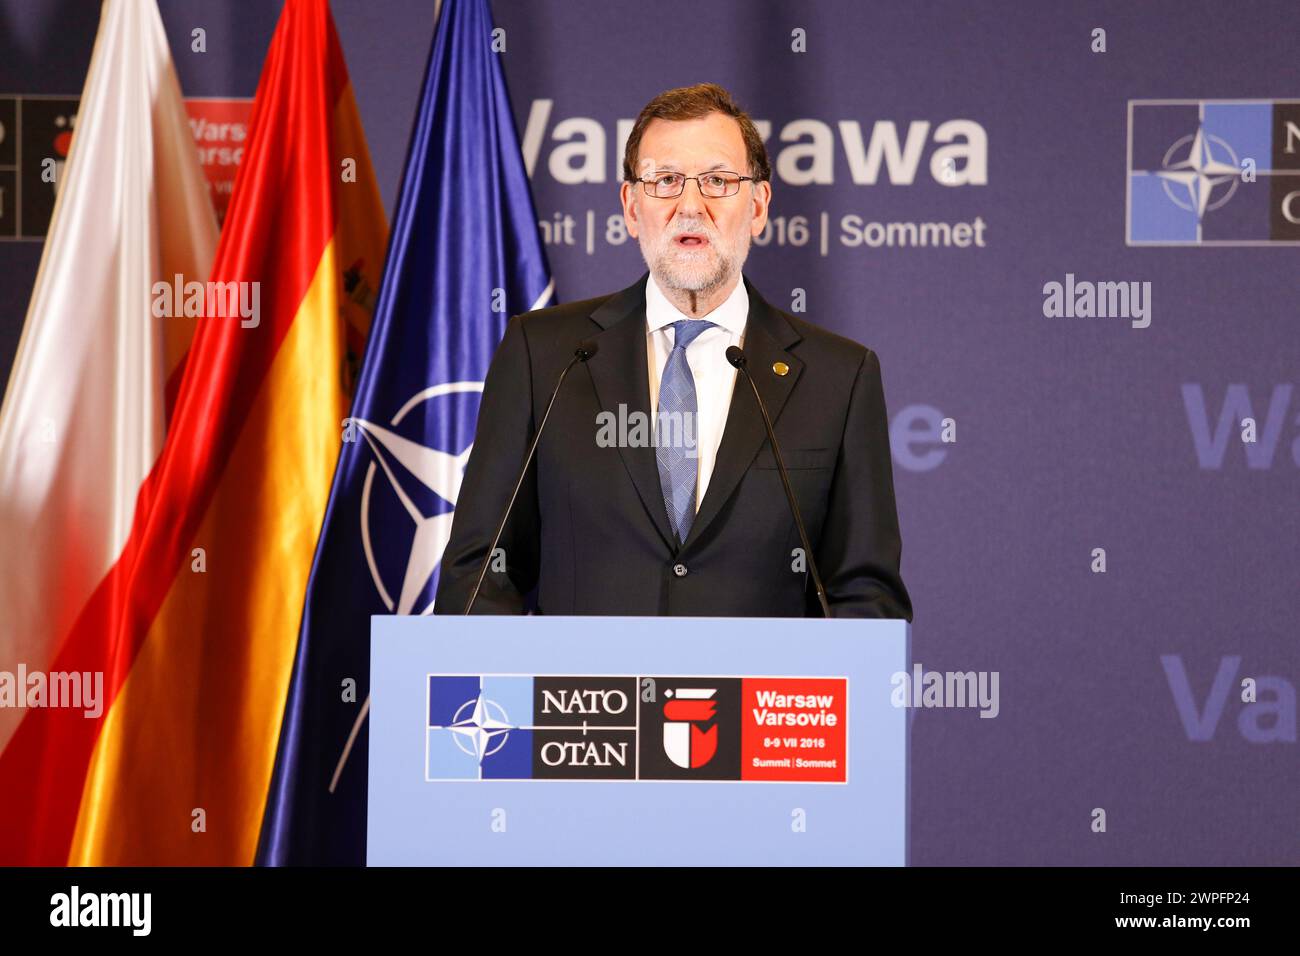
(480, 728)
(406, 478)
(1207, 163)
(1213, 172)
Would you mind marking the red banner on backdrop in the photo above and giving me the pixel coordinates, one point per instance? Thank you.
(220, 131)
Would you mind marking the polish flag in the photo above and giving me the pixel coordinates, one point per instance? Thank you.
(84, 412)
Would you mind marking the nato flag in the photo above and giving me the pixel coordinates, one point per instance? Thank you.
(464, 255)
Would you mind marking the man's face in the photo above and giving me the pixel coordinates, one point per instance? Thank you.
(694, 243)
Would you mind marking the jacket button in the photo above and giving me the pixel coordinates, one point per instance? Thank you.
(679, 570)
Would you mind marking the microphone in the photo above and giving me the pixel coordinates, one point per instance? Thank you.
(738, 360)
(583, 353)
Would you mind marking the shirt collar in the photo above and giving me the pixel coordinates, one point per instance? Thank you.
(731, 314)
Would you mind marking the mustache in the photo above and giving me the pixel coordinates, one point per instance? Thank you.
(692, 228)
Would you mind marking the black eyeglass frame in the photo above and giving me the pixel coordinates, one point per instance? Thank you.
(645, 183)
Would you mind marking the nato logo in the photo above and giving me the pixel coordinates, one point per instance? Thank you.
(542, 727)
(477, 728)
(1213, 172)
(408, 498)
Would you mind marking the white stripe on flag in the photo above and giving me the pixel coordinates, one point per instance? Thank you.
(82, 419)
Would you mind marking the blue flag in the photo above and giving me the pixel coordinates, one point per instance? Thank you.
(464, 255)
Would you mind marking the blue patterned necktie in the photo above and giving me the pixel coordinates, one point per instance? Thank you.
(676, 432)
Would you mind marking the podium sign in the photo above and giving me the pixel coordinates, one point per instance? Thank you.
(666, 741)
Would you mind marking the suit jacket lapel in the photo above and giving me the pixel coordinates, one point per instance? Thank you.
(767, 338)
(620, 375)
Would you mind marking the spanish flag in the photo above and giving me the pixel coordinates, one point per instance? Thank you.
(195, 625)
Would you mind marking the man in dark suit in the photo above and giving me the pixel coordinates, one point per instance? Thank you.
(681, 512)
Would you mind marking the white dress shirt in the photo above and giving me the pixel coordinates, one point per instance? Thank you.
(707, 357)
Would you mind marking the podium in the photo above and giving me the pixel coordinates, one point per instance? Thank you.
(533, 741)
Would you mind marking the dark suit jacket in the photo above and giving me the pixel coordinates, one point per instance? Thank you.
(590, 529)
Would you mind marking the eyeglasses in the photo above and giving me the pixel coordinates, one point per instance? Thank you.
(718, 184)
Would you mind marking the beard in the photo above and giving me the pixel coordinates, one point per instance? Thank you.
(702, 269)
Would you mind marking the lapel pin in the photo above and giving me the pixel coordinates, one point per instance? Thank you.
(780, 368)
